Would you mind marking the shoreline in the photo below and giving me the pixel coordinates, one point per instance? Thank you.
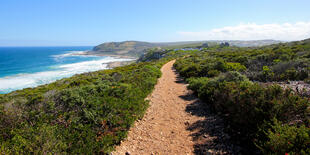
(91, 53)
(117, 61)
(110, 65)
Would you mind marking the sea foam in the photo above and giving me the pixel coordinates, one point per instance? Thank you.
(20, 81)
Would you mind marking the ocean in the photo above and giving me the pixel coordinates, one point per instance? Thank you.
(24, 67)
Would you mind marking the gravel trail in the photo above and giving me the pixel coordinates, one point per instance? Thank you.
(176, 123)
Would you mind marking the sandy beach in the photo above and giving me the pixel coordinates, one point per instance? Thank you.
(102, 54)
(114, 64)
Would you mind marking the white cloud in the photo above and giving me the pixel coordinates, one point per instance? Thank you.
(252, 31)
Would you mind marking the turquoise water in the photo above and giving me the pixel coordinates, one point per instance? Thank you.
(23, 67)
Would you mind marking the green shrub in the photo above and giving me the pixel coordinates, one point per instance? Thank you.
(242, 60)
(267, 73)
(251, 108)
(276, 61)
(290, 139)
(221, 66)
(213, 73)
(285, 57)
(232, 76)
(236, 66)
(247, 106)
(90, 112)
(190, 71)
(196, 83)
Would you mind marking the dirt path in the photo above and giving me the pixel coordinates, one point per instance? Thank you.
(174, 123)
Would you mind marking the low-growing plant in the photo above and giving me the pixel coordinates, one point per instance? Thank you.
(90, 112)
(236, 66)
(249, 107)
(213, 73)
(286, 139)
(267, 73)
(246, 105)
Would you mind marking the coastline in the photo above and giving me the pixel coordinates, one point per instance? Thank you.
(34, 79)
(111, 65)
(101, 54)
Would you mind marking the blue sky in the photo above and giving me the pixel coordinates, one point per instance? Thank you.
(90, 22)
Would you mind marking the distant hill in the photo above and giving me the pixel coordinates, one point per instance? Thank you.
(250, 43)
(137, 48)
(130, 48)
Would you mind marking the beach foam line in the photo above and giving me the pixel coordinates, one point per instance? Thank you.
(72, 53)
(20, 81)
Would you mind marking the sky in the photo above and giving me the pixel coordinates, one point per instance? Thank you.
(91, 22)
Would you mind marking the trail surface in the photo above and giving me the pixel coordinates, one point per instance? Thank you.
(175, 123)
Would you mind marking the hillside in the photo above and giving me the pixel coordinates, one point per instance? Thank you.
(138, 48)
(129, 48)
(262, 93)
(86, 113)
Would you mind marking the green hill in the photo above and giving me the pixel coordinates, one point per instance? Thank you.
(129, 48)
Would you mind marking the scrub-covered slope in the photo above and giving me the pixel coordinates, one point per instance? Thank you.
(86, 113)
(255, 90)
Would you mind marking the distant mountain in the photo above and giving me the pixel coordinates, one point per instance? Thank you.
(137, 48)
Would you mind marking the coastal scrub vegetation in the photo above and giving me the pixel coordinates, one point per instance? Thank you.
(241, 84)
(90, 112)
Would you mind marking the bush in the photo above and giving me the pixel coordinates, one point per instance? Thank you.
(251, 108)
(242, 60)
(236, 66)
(190, 71)
(90, 112)
(247, 106)
(286, 139)
(232, 76)
(213, 73)
(267, 73)
(196, 83)
(221, 66)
